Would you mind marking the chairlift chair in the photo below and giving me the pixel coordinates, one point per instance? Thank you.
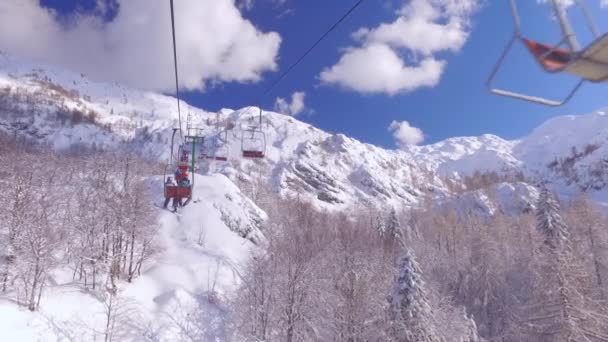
(589, 63)
(253, 143)
(172, 190)
(204, 149)
(218, 147)
(221, 147)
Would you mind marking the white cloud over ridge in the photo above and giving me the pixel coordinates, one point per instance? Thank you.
(423, 29)
(293, 108)
(405, 134)
(215, 43)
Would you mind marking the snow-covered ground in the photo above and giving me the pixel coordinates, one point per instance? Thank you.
(197, 265)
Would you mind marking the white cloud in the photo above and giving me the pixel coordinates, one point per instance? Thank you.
(245, 4)
(293, 108)
(215, 43)
(378, 68)
(569, 3)
(422, 29)
(405, 134)
(249, 4)
(564, 3)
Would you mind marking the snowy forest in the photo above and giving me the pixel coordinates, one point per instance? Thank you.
(88, 211)
(429, 273)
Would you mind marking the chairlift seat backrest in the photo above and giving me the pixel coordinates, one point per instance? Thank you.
(590, 64)
(253, 143)
(253, 154)
(550, 58)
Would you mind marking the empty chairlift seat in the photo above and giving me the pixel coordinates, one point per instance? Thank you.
(550, 58)
(216, 148)
(253, 143)
(587, 64)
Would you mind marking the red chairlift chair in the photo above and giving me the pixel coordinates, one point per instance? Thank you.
(253, 143)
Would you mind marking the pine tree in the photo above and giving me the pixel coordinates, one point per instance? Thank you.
(411, 316)
(561, 309)
(549, 222)
(393, 227)
(471, 330)
(380, 227)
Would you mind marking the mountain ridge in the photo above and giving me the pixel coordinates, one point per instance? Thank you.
(332, 170)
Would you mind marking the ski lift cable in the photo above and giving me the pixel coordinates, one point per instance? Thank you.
(312, 47)
(277, 80)
(306, 53)
(179, 115)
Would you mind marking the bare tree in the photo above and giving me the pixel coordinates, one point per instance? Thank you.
(589, 228)
(39, 235)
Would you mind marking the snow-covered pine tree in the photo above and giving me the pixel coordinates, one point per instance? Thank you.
(377, 222)
(471, 330)
(411, 316)
(393, 232)
(549, 222)
(561, 309)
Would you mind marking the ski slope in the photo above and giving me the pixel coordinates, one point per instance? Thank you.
(197, 266)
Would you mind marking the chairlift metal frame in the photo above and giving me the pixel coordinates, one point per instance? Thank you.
(256, 135)
(219, 150)
(176, 191)
(568, 37)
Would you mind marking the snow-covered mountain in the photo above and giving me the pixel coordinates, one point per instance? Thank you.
(67, 110)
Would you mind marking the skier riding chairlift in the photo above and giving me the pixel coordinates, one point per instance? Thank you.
(181, 176)
(177, 201)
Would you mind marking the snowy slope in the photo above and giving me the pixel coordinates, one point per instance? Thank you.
(193, 270)
(331, 170)
(504, 198)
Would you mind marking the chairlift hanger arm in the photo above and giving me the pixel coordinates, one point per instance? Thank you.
(179, 115)
(565, 26)
(589, 18)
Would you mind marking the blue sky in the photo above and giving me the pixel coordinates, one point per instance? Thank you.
(458, 104)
